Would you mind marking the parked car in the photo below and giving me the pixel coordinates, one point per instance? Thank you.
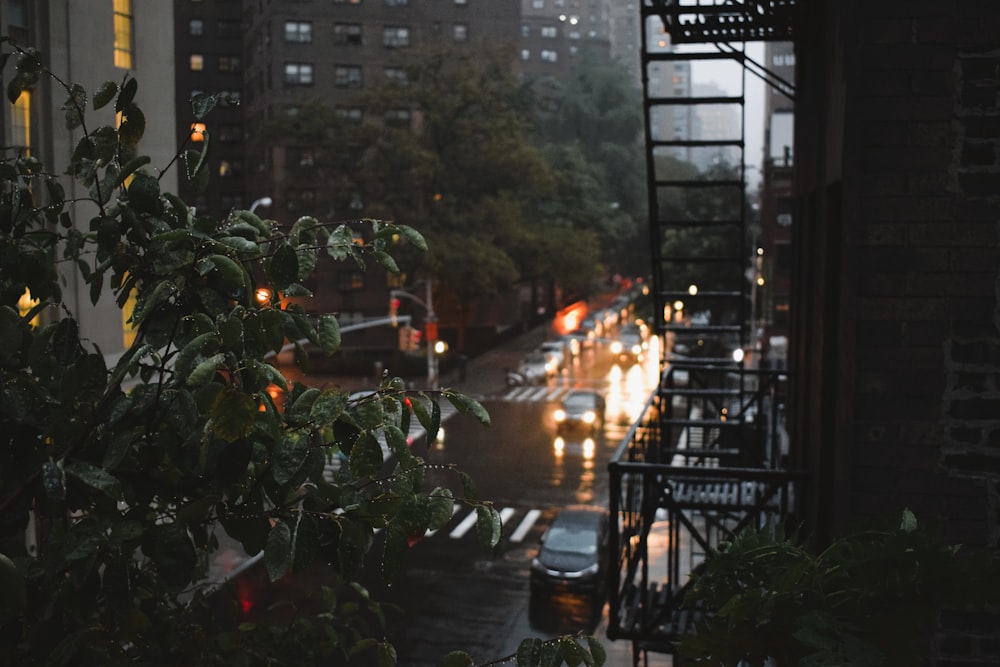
(556, 350)
(580, 409)
(573, 554)
(535, 368)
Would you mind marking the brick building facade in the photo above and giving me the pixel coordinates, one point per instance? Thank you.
(895, 316)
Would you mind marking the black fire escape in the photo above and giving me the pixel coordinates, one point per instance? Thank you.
(708, 457)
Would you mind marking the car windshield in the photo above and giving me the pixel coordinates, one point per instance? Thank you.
(535, 359)
(580, 401)
(571, 540)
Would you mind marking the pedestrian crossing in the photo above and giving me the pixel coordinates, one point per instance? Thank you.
(517, 523)
(535, 394)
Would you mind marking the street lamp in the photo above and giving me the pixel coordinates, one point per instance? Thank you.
(263, 201)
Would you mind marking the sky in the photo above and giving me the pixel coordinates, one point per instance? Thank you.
(727, 76)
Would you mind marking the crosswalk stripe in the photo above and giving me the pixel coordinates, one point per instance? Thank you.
(464, 527)
(526, 523)
(454, 511)
(506, 513)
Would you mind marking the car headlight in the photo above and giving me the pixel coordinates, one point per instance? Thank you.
(589, 417)
(637, 349)
(588, 448)
(559, 415)
(616, 347)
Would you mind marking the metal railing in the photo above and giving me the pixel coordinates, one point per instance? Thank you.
(677, 497)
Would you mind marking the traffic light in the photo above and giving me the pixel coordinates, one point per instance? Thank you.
(409, 338)
(393, 309)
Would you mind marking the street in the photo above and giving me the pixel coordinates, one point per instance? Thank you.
(458, 595)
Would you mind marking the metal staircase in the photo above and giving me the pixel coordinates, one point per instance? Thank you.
(707, 457)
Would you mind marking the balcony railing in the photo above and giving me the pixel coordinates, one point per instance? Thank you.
(704, 461)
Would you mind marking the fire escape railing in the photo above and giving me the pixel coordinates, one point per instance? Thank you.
(708, 457)
(679, 488)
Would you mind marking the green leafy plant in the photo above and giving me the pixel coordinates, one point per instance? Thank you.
(125, 475)
(870, 598)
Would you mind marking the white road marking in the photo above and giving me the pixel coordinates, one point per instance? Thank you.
(526, 523)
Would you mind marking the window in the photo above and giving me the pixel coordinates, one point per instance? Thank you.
(397, 75)
(525, 54)
(396, 3)
(229, 63)
(464, 3)
(350, 281)
(549, 31)
(395, 36)
(549, 55)
(538, 4)
(347, 76)
(352, 114)
(229, 134)
(196, 27)
(299, 74)
(525, 30)
(347, 33)
(20, 122)
(300, 32)
(196, 62)
(460, 32)
(228, 29)
(397, 117)
(123, 33)
(230, 168)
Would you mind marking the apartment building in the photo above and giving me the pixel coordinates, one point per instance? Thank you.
(89, 43)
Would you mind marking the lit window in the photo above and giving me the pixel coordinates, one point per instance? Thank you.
(347, 33)
(298, 31)
(396, 3)
(549, 31)
(538, 4)
(299, 74)
(20, 122)
(196, 62)
(460, 32)
(347, 76)
(525, 30)
(123, 33)
(462, 2)
(549, 56)
(196, 28)
(525, 54)
(395, 36)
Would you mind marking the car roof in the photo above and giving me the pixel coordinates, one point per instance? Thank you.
(580, 393)
(581, 516)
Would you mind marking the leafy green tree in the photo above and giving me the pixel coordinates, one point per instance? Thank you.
(127, 474)
(870, 598)
(592, 124)
(450, 152)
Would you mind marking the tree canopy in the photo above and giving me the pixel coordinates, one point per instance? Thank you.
(127, 473)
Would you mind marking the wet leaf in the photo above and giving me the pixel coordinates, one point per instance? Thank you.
(233, 414)
(278, 552)
(468, 405)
